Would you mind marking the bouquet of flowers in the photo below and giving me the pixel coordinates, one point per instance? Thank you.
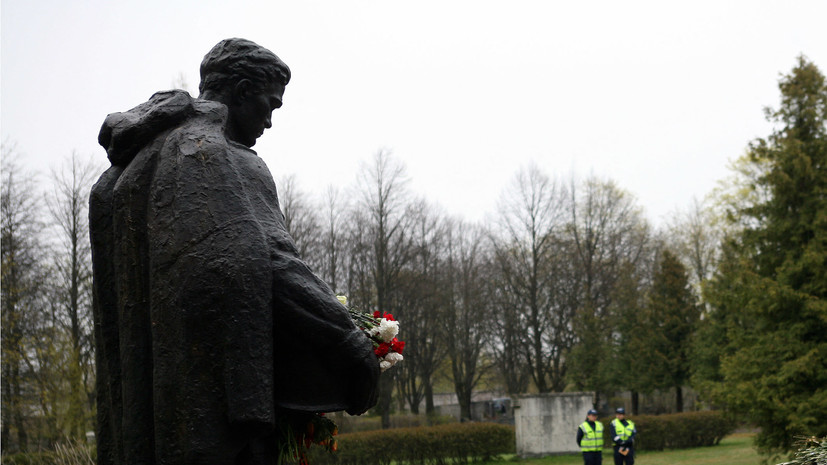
(381, 329)
(299, 430)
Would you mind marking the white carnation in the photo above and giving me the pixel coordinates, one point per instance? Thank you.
(386, 330)
(394, 357)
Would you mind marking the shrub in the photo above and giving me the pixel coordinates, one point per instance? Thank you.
(351, 424)
(680, 430)
(65, 453)
(457, 443)
(29, 458)
(811, 451)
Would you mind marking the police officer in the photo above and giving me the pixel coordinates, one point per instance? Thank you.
(623, 432)
(590, 439)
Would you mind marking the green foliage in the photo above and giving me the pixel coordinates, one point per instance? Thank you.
(354, 424)
(64, 453)
(47, 367)
(627, 313)
(680, 430)
(590, 364)
(811, 451)
(661, 345)
(456, 443)
(607, 237)
(29, 458)
(769, 297)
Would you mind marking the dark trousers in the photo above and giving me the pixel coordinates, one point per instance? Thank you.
(628, 459)
(593, 458)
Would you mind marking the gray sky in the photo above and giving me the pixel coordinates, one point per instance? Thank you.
(658, 96)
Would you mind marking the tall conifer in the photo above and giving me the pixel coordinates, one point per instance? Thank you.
(769, 298)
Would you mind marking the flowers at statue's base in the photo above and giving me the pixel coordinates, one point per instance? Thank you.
(300, 430)
(381, 329)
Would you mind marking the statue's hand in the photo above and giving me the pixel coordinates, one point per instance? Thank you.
(364, 382)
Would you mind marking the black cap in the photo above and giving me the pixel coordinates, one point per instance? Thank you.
(620, 410)
(592, 412)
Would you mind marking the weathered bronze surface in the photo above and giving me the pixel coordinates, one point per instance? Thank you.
(208, 324)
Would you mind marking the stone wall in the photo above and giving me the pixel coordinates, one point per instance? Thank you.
(494, 410)
(547, 424)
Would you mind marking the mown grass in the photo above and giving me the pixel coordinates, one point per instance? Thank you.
(735, 449)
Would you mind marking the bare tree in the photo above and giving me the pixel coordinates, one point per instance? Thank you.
(300, 219)
(68, 208)
(508, 336)
(22, 275)
(695, 237)
(421, 301)
(468, 315)
(180, 82)
(608, 232)
(359, 260)
(531, 222)
(383, 194)
(333, 239)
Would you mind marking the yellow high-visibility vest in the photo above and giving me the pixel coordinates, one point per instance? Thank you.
(592, 438)
(625, 432)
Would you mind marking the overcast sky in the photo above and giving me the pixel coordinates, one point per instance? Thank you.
(658, 96)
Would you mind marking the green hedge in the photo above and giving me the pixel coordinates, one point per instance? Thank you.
(457, 443)
(351, 424)
(679, 430)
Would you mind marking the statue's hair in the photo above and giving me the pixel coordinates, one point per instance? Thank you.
(234, 59)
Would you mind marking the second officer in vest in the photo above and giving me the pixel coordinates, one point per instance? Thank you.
(622, 432)
(590, 439)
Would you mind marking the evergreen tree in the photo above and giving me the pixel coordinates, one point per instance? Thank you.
(670, 318)
(769, 297)
(630, 336)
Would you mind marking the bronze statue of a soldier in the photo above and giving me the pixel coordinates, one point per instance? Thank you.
(208, 324)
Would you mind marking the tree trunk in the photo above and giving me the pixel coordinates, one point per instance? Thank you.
(414, 406)
(464, 407)
(384, 403)
(635, 402)
(5, 435)
(678, 399)
(22, 436)
(429, 399)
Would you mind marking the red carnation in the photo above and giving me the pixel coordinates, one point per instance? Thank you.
(382, 350)
(397, 345)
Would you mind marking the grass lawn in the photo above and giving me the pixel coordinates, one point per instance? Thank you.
(733, 450)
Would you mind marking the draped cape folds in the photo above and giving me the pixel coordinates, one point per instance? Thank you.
(207, 323)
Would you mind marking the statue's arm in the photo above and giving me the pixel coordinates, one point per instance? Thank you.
(308, 307)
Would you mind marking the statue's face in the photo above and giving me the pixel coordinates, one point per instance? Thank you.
(251, 110)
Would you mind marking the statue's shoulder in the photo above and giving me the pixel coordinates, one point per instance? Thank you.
(124, 134)
(204, 125)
